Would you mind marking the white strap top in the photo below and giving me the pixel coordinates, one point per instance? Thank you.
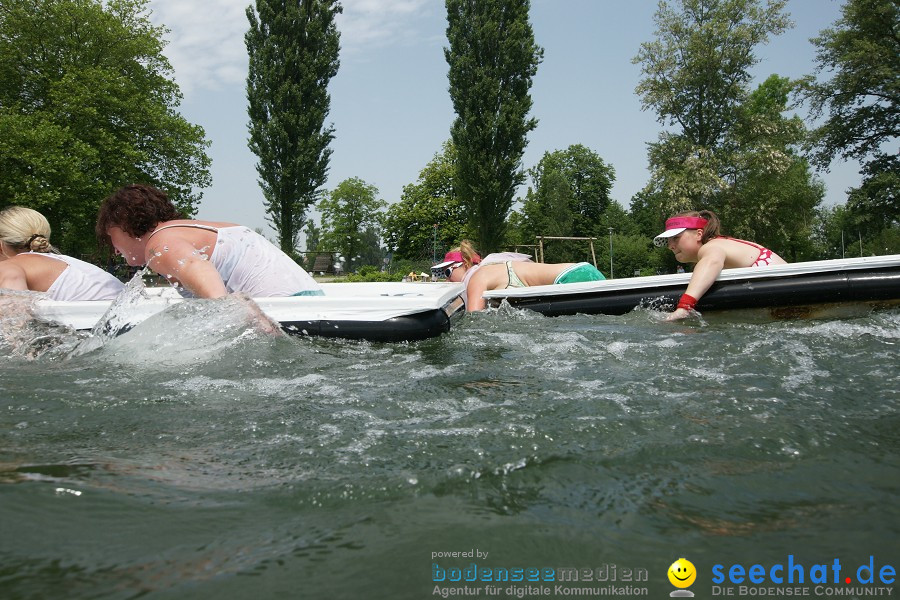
(249, 263)
(81, 281)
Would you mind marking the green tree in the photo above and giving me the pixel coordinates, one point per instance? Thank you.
(696, 76)
(517, 233)
(313, 235)
(862, 98)
(349, 216)
(371, 253)
(547, 212)
(773, 193)
(293, 49)
(861, 53)
(645, 216)
(87, 104)
(631, 254)
(493, 58)
(834, 232)
(429, 218)
(632, 251)
(867, 224)
(571, 191)
(697, 71)
(875, 204)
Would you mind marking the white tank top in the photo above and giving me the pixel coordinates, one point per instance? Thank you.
(81, 281)
(249, 263)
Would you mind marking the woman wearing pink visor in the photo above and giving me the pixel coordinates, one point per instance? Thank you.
(503, 270)
(694, 237)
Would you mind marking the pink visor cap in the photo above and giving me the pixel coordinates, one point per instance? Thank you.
(455, 259)
(676, 225)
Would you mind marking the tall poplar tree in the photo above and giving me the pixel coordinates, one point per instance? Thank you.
(493, 58)
(293, 48)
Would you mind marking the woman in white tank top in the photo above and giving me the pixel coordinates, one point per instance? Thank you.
(27, 262)
(209, 258)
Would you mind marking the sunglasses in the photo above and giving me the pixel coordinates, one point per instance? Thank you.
(445, 272)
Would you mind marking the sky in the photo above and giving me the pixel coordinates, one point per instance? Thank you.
(390, 105)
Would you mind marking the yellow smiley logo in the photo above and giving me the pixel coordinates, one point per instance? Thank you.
(682, 573)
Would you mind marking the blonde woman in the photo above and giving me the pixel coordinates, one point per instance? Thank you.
(505, 270)
(29, 262)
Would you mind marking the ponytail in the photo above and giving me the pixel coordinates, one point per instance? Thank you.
(713, 227)
(469, 255)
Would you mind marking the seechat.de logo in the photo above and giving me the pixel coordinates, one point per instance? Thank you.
(682, 575)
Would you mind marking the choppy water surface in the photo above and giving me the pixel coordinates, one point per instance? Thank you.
(195, 457)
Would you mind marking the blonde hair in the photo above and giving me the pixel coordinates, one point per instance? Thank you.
(468, 253)
(25, 230)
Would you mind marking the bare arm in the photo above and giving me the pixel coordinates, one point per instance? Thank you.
(258, 318)
(474, 290)
(710, 264)
(177, 259)
(473, 293)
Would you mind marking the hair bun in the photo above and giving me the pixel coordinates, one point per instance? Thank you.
(38, 243)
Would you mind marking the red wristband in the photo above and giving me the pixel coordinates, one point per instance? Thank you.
(687, 302)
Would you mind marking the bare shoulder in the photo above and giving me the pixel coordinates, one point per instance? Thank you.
(715, 246)
(12, 265)
(30, 272)
(714, 252)
(490, 276)
(37, 262)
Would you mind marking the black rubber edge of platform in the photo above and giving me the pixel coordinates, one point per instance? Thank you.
(795, 290)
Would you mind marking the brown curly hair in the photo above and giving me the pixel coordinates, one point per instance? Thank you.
(136, 209)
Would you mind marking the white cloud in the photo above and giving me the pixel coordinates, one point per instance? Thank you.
(367, 24)
(206, 39)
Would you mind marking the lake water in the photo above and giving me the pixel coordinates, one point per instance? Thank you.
(196, 457)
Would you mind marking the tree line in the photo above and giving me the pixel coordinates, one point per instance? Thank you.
(87, 103)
